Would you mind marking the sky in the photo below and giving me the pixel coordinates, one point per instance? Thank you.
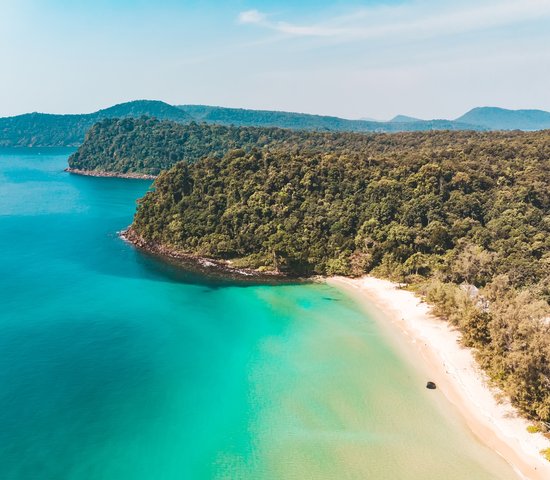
(354, 59)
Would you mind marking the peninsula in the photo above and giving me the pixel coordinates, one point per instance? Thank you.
(459, 217)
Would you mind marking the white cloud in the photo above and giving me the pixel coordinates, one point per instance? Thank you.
(251, 16)
(420, 19)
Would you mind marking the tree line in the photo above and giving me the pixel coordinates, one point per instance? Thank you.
(461, 216)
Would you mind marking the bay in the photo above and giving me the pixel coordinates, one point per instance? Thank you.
(115, 365)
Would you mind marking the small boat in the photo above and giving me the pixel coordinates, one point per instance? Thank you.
(431, 386)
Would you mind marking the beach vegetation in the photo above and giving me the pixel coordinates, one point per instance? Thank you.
(465, 216)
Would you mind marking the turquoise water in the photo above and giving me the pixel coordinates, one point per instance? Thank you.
(114, 365)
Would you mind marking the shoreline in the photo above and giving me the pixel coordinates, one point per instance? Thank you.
(455, 371)
(433, 341)
(206, 266)
(102, 173)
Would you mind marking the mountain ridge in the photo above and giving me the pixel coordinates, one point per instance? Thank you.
(68, 130)
(404, 118)
(241, 117)
(504, 119)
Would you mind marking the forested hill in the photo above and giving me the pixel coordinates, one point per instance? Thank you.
(379, 196)
(305, 121)
(502, 119)
(147, 146)
(438, 210)
(49, 130)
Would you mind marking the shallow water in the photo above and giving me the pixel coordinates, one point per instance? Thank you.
(114, 365)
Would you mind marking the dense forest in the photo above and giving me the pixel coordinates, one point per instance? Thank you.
(49, 130)
(304, 121)
(147, 146)
(464, 217)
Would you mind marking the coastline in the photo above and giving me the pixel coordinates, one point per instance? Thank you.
(206, 266)
(102, 173)
(453, 368)
(432, 342)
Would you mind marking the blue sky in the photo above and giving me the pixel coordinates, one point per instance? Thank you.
(426, 58)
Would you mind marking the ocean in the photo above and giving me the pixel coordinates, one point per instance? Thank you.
(115, 365)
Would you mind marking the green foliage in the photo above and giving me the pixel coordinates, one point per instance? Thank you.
(533, 429)
(546, 453)
(303, 121)
(147, 145)
(466, 213)
(47, 130)
(405, 204)
(509, 329)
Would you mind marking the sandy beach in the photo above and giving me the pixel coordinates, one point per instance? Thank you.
(453, 368)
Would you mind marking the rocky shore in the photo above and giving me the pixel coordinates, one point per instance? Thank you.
(222, 269)
(101, 173)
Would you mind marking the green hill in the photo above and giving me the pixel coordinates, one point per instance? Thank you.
(304, 121)
(495, 118)
(404, 119)
(50, 130)
(147, 146)
(444, 211)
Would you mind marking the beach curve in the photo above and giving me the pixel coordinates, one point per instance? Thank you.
(453, 367)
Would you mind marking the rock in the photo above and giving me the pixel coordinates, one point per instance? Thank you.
(431, 386)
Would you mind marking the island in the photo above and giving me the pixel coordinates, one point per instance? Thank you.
(460, 217)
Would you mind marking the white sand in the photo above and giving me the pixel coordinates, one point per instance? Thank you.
(456, 373)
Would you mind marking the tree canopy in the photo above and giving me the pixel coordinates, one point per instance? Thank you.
(464, 216)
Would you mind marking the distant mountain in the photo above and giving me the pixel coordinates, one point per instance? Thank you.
(495, 118)
(48, 130)
(240, 117)
(148, 108)
(404, 119)
(51, 130)
(305, 121)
